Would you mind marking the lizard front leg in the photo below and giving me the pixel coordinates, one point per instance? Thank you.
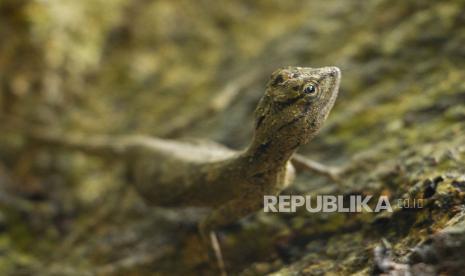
(305, 164)
(226, 214)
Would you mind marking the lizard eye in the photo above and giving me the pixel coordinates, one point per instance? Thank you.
(310, 89)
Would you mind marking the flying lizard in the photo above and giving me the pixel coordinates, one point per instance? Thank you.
(169, 173)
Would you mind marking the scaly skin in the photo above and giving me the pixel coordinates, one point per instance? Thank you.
(178, 174)
(205, 174)
(296, 103)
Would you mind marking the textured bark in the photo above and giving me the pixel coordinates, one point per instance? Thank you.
(181, 69)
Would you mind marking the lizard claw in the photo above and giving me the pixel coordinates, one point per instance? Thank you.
(335, 174)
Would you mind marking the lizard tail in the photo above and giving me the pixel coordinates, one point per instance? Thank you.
(99, 145)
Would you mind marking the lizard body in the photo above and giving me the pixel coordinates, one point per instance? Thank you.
(170, 173)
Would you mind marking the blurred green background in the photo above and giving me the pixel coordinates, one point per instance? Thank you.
(177, 69)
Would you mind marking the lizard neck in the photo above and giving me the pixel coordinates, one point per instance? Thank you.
(263, 155)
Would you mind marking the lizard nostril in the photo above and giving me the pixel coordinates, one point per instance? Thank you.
(334, 72)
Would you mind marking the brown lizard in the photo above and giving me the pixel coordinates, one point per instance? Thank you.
(170, 173)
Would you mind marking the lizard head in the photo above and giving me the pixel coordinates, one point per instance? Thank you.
(296, 103)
